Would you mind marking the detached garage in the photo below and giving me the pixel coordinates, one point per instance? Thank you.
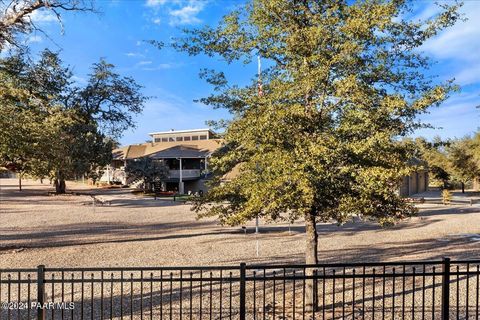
(417, 181)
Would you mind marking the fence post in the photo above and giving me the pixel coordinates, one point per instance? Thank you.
(446, 289)
(242, 290)
(40, 292)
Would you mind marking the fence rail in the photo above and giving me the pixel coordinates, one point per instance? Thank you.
(395, 290)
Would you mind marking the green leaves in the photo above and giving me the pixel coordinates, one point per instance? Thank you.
(56, 129)
(464, 156)
(147, 169)
(452, 161)
(109, 99)
(345, 81)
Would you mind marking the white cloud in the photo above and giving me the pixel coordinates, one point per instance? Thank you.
(155, 3)
(459, 44)
(425, 10)
(134, 54)
(456, 117)
(458, 104)
(470, 74)
(187, 14)
(178, 12)
(143, 63)
(114, 3)
(33, 39)
(40, 15)
(79, 80)
(161, 66)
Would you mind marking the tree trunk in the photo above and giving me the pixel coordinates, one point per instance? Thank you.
(19, 181)
(311, 257)
(463, 187)
(60, 186)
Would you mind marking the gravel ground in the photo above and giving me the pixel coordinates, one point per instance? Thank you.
(67, 231)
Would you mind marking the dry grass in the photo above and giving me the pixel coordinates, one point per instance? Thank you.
(67, 231)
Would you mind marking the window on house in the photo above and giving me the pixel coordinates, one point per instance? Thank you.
(203, 137)
(186, 139)
(164, 139)
(171, 139)
(157, 140)
(194, 137)
(179, 138)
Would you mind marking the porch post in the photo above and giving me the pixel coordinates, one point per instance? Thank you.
(108, 174)
(180, 182)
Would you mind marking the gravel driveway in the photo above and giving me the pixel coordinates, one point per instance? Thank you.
(67, 231)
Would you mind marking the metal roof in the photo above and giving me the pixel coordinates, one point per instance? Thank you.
(181, 131)
(193, 149)
(180, 152)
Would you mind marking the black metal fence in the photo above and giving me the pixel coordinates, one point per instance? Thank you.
(399, 290)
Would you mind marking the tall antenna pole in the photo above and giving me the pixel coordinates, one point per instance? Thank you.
(260, 89)
(260, 93)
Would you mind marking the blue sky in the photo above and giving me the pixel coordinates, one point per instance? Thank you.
(171, 78)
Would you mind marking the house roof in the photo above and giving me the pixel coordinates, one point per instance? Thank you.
(120, 153)
(129, 152)
(182, 151)
(196, 149)
(417, 162)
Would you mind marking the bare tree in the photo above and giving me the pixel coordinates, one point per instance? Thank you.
(16, 16)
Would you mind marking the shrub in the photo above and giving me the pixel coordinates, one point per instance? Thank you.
(446, 196)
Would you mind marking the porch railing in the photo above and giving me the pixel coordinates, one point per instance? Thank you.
(186, 173)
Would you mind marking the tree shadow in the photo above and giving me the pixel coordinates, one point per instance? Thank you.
(101, 233)
(458, 248)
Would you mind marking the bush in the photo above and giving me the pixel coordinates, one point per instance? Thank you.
(446, 196)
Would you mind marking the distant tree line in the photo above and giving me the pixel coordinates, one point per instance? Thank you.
(452, 162)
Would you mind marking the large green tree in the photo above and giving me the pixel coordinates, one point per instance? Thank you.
(463, 155)
(344, 81)
(23, 110)
(56, 128)
(151, 171)
(17, 146)
(435, 154)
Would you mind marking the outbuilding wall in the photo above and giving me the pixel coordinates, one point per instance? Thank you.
(416, 182)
